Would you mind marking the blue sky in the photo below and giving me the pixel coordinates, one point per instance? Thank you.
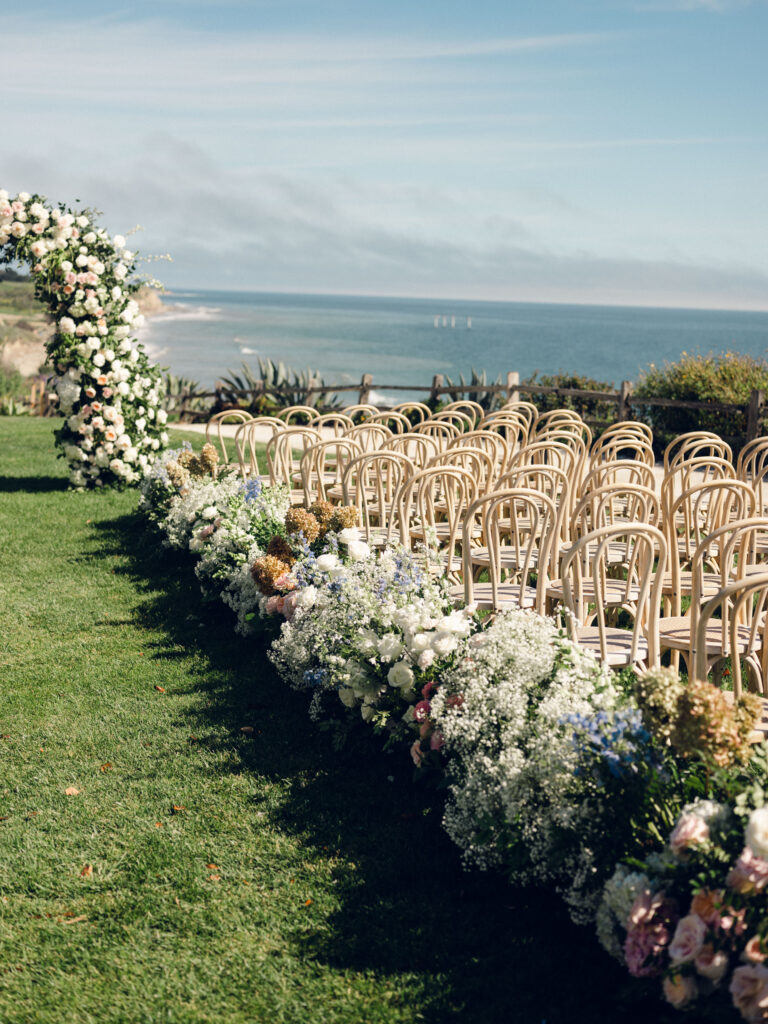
(608, 151)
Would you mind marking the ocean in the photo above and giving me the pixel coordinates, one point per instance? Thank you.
(206, 335)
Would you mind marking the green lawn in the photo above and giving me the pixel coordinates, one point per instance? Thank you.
(197, 872)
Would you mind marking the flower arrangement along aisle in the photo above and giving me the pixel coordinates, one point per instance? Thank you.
(218, 518)
(107, 389)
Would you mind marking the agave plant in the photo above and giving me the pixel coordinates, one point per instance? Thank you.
(283, 385)
(181, 391)
(487, 399)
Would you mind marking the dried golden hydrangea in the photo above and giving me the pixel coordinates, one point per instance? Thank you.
(299, 520)
(344, 517)
(208, 459)
(280, 548)
(657, 693)
(266, 571)
(323, 513)
(186, 457)
(710, 726)
(177, 474)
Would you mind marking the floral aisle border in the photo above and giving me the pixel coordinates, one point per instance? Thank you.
(642, 802)
(108, 390)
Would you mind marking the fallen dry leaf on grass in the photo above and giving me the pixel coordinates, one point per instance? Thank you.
(106, 766)
(212, 867)
(87, 871)
(75, 920)
(160, 689)
(71, 791)
(214, 878)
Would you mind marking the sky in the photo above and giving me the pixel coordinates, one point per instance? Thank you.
(591, 151)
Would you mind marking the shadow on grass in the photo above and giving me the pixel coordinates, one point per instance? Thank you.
(482, 952)
(33, 484)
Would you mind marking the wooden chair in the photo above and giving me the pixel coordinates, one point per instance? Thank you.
(246, 441)
(371, 483)
(495, 445)
(619, 471)
(739, 634)
(412, 410)
(336, 422)
(476, 461)
(369, 435)
(284, 452)
(292, 412)
(694, 445)
(728, 553)
(430, 508)
(456, 417)
(508, 536)
(752, 461)
(362, 410)
(621, 446)
(593, 597)
(219, 420)
(441, 430)
(395, 422)
(472, 409)
(419, 448)
(322, 468)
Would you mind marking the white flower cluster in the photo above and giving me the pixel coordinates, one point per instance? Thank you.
(619, 893)
(373, 628)
(107, 390)
(226, 524)
(501, 712)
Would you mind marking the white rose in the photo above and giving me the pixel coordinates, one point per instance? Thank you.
(444, 644)
(425, 659)
(130, 455)
(119, 242)
(389, 647)
(756, 833)
(306, 597)
(420, 642)
(90, 238)
(347, 696)
(82, 222)
(24, 197)
(116, 465)
(162, 415)
(123, 442)
(67, 325)
(98, 359)
(210, 512)
(120, 271)
(400, 676)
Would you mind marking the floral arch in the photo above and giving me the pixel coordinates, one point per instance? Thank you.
(108, 390)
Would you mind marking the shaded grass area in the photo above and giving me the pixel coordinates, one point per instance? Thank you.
(201, 873)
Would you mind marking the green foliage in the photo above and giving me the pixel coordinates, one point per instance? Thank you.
(587, 408)
(181, 391)
(728, 377)
(487, 399)
(291, 387)
(13, 392)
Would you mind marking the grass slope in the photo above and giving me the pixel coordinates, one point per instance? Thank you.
(201, 873)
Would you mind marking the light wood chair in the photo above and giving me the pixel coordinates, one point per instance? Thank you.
(336, 422)
(215, 424)
(369, 435)
(593, 597)
(362, 410)
(284, 453)
(739, 634)
(508, 536)
(430, 508)
(246, 442)
(396, 422)
(412, 410)
(295, 412)
(419, 448)
(694, 445)
(322, 467)
(371, 483)
(441, 430)
(472, 409)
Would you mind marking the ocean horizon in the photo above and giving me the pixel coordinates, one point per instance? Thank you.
(205, 335)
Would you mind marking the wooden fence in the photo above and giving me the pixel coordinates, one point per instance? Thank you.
(626, 403)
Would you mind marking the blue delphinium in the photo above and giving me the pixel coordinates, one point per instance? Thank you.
(617, 738)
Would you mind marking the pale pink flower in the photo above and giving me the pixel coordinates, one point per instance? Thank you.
(690, 831)
(753, 951)
(749, 991)
(749, 873)
(688, 939)
(679, 990)
(711, 963)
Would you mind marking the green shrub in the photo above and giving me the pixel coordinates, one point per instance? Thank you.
(587, 408)
(728, 377)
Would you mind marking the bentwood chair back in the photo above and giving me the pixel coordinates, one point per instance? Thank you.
(284, 452)
(739, 633)
(695, 444)
(322, 467)
(215, 424)
(370, 483)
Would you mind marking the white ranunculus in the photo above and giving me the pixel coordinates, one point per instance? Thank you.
(348, 535)
(756, 833)
(325, 563)
(400, 676)
(358, 551)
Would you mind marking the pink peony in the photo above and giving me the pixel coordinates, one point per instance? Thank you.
(648, 933)
(690, 831)
(275, 604)
(688, 939)
(289, 605)
(749, 991)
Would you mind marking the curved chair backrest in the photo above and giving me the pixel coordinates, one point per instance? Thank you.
(322, 466)
(743, 606)
(285, 450)
(221, 419)
(298, 412)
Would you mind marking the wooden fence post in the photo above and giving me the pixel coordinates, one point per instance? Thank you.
(513, 381)
(625, 405)
(754, 414)
(437, 382)
(365, 388)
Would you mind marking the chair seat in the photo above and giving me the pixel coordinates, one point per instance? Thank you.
(509, 558)
(616, 592)
(675, 634)
(508, 596)
(618, 645)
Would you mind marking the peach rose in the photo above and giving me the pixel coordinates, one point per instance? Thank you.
(706, 904)
(753, 951)
(679, 990)
(711, 963)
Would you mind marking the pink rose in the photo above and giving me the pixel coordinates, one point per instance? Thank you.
(706, 904)
(275, 604)
(688, 939)
(679, 990)
(648, 933)
(691, 830)
(749, 874)
(749, 991)
(289, 605)
(285, 582)
(90, 392)
(421, 711)
(711, 963)
(108, 392)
